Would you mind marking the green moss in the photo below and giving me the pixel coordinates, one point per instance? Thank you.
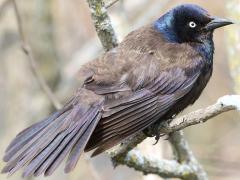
(189, 176)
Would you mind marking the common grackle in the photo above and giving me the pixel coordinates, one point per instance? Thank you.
(154, 73)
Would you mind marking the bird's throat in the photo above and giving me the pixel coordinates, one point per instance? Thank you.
(206, 49)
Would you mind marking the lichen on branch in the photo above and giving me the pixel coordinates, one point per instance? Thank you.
(102, 24)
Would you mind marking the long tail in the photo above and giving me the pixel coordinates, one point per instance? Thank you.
(43, 146)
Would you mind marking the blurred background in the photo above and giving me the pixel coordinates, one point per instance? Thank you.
(63, 38)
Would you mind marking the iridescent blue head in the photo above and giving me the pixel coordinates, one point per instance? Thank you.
(188, 23)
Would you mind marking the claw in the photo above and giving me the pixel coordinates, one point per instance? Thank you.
(157, 137)
(153, 131)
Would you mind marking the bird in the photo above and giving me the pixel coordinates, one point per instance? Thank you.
(153, 74)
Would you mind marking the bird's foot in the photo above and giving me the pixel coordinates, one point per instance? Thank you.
(153, 131)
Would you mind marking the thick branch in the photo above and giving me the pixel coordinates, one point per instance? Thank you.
(151, 165)
(185, 166)
(102, 24)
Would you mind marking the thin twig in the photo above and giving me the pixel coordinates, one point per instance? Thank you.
(3, 6)
(111, 3)
(34, 67)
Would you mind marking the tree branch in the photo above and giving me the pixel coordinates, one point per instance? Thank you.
(3, 6)
(184, 154)
(102, 24)
(111, 3)
(225, 103)
(184, 167)
(151, 165)
(34, 67)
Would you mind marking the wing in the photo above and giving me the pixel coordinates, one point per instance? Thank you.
(128, 115)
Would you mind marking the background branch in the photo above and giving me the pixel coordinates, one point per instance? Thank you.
(3, 6)
(111, 3)
(33, 63)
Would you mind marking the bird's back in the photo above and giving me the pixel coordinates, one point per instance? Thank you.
(140, 58)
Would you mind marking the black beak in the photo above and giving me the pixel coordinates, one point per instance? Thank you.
(217, 23)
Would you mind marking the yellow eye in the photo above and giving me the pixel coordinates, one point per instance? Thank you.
(192, 24)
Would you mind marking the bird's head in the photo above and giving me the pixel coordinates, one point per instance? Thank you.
(188, 23)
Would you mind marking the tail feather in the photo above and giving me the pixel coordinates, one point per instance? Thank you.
(41, 157)
(24, 136)
(25, 142)
(52, 157)
(43, 146)
(80, 146)
(31, 131)
(34, 146)
(89, 119)
(61, 149)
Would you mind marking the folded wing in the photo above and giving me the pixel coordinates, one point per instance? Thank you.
(126, 116)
